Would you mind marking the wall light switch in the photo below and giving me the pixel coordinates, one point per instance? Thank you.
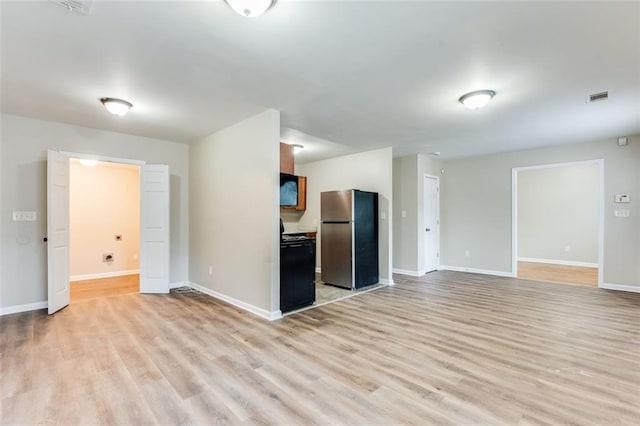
(404, 213)
(621, 213)
(622, 198)
(383, 215)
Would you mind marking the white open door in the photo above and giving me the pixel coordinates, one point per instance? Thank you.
(57, 230)
(154, 229)
(431, 223)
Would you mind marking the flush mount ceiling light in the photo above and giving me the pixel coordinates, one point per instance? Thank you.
(477, 99)
(250, 8)
(297, 148)
(88, 163)
(115, 106)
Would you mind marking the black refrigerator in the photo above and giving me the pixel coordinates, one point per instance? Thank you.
(349, 238)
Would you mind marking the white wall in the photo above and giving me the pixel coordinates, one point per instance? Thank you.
(405, 200)
(104, 201)
(558, 212)
(233, 215)
(24, 151)
(367, 171)
(476, 206)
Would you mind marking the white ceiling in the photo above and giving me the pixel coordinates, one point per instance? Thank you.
(363, 74)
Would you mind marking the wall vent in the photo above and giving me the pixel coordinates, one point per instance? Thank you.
(594, 97)
(78, 6)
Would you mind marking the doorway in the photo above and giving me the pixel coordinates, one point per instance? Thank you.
(154, 258)
(431, 222)
(558, 213)
(104, 229)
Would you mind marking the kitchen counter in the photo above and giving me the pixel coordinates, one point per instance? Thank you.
(301, 230)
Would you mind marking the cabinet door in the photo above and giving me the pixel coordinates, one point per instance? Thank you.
(286, 158)
(302, 193)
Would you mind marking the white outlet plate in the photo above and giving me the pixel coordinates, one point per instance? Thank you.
(24, 216)
(622, 213)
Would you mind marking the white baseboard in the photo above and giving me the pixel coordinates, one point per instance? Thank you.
(238, 303)
(621, 287)
(103, 275)
(475, 271)
(23, 308)
(408, 272)
(558, 262)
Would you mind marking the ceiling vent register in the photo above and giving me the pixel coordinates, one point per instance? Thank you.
(78, 6)
(602, 96)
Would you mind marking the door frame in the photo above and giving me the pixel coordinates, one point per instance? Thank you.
(421, 222)
(97, 157)
(514, 210)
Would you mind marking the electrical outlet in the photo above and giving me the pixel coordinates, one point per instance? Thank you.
(467, 253)
(24, 216)
(210, 270)
(404, 213)
(107, 257)
(567, 248)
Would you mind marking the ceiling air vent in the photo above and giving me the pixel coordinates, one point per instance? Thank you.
(78, 6)
(594, 97)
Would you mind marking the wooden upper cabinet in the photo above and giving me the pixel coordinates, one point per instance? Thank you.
(286, 158)
(302, 193)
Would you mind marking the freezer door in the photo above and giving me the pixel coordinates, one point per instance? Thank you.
(366, 238)
(336, 254)
(335, 206)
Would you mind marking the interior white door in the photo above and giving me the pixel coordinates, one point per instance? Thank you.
(154, 228)
(431, 223)
(57, 230)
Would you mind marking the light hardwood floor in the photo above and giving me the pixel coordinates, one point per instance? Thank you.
(446, 348)
(103, 287)
(561, 274)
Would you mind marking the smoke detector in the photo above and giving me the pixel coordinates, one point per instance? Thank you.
(78, 6)
(600, 96)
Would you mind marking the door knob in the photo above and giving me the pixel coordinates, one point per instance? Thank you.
(428, 229)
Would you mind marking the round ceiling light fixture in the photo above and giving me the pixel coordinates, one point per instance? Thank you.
(250, 8)
(477, 99)
(296, 148)
(115, 106)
